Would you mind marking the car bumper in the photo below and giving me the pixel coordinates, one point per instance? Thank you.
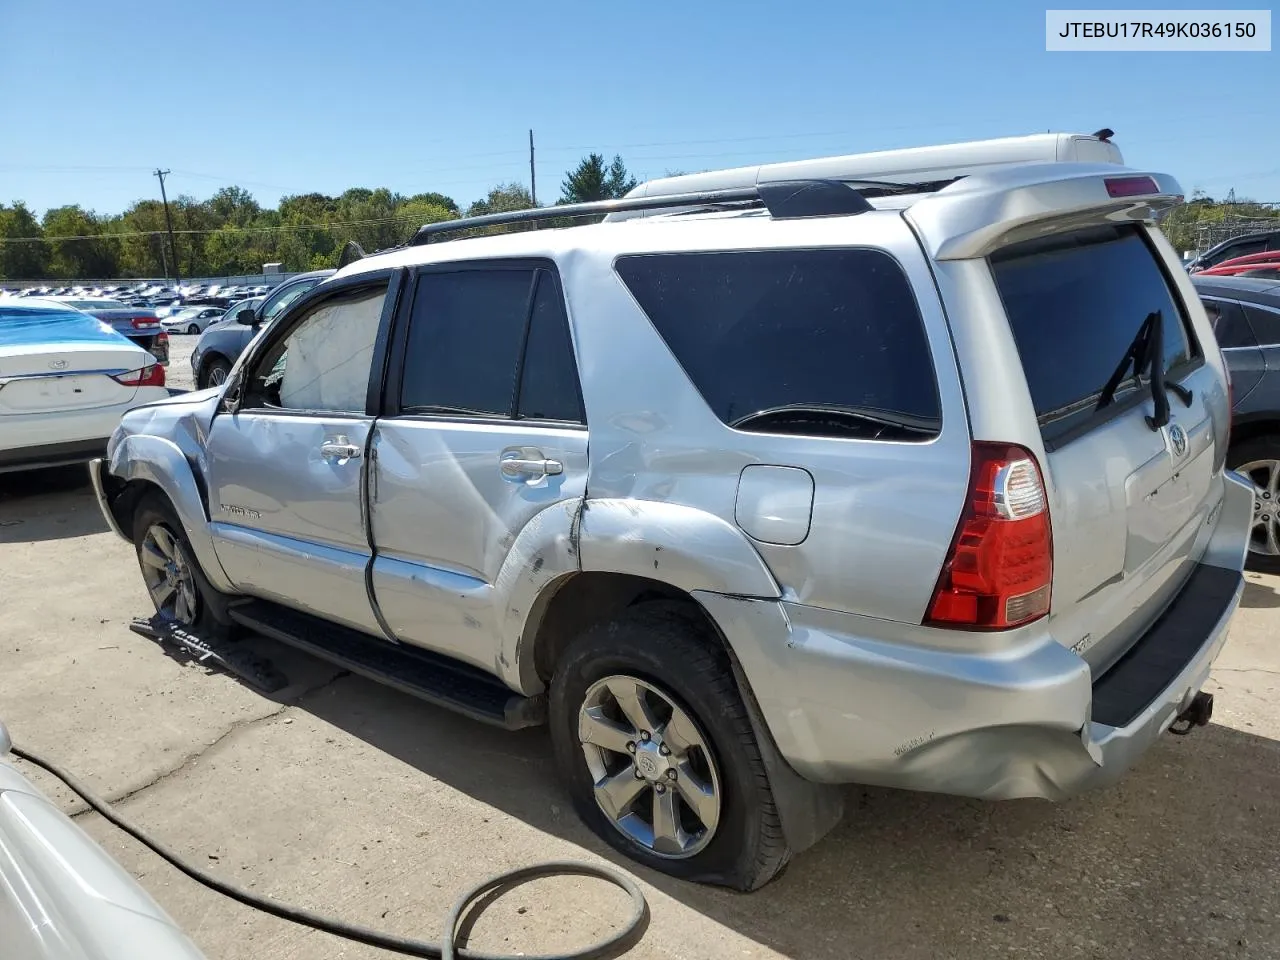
(52, 439)
(1026, 720)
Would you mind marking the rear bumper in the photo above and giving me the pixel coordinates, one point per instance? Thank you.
(1020, 721)
(51, 455)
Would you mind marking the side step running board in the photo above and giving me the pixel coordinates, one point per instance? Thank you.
(431, 677)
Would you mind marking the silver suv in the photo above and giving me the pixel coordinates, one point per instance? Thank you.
(784, 485)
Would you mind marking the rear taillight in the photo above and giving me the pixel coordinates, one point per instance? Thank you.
(1000, 568)
(137, 322)
(149, 376)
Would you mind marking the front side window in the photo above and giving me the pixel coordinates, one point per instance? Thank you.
(323, 363)
(825, 342)
(277, 303)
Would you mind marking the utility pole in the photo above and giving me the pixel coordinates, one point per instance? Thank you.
(533, 177)
(173, 247)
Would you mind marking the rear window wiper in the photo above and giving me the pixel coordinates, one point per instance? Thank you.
(1146, 351)
(838, 419)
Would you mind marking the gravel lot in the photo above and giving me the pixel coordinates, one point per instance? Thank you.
(349, 798)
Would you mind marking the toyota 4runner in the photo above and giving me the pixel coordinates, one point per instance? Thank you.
(785, 484)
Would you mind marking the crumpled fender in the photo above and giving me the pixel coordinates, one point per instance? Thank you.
(160, 461)
(676, 544)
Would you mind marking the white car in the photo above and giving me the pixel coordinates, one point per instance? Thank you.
(66, 378)
(192, 319)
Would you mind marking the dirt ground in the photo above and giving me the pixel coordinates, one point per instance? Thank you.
(355, 800)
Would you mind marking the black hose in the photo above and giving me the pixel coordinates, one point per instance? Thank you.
(614, 946)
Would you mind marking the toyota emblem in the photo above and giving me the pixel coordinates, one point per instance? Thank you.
(1178, 438)
(58, 364)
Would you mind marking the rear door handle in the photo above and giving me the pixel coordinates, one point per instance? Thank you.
(527, 463)
(340, 449)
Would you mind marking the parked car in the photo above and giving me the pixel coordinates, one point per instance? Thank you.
(924, 490)
(1264, 242)
(140, 324)
(192, 320)
(1245, 314)
(65, 380)
(61, 895)
(219, 346)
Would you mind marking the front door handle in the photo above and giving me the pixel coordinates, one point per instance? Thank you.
(340, 449)
(527, 464)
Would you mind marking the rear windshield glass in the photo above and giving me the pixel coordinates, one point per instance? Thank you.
(817, 342)
(1076, 302)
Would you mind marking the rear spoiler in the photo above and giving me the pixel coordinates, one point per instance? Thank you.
(974, 216)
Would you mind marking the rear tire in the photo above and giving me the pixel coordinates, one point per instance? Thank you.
(699, 762)
(1258, 460)
(177, 586)
(214, 373)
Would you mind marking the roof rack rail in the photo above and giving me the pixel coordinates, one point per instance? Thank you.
(783, 199)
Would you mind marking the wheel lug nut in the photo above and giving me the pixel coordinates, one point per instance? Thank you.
(671, 774)
(664, 750)
(631, 746)
(639, 775)
(644, 735)
(659, 788)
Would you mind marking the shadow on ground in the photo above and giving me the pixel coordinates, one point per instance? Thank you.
(1182, 857)
(53, 504)
(1259, 595)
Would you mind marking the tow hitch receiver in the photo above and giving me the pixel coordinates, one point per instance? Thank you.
(1197, 714)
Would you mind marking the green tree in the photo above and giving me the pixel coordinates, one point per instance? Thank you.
(503, 198)
(435, 200)
(619, 182)
(79, 259)
(587, 182)
(21, 260)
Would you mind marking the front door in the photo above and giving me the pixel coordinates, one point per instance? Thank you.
(286, 464)
(484, 431)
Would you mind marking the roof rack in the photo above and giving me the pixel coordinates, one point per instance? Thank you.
(786, 199)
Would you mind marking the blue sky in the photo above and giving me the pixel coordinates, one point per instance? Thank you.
(281, 96)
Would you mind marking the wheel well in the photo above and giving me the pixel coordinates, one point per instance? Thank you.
(1251, 430)
(123, 497)
(211, 356)
(585, 599)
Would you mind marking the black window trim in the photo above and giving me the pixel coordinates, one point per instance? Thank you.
(1124, 403)
(784, 437)
(544, 269)
(1214, 298)
(1246, 306)
(282, 326)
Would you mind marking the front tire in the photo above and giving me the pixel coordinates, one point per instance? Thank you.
(193, 329)
(214, 373)
(179, 591)
(1258, 460)
(656, 747)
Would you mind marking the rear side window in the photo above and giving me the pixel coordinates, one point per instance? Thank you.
(1076, 302)
(490, 343)
(817, 342)
(1229, 324)
(1265, 324)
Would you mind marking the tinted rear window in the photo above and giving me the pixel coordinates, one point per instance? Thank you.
(1075, 303)
(795, 341)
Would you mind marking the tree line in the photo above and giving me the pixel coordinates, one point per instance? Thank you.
(231, 233)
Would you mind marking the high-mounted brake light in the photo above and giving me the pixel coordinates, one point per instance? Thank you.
(1130, 186)
(149, 376)
(999, 571)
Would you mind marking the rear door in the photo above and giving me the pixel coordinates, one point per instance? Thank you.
(484, 430)
(1129, 497)
(1239, 345)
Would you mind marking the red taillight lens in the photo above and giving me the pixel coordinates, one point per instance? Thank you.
(1130, 186)
(149, 376)
(136, 322)
(1000, 568)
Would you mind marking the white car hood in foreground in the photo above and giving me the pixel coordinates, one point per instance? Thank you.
(62, 897)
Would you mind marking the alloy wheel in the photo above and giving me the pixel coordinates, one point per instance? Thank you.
(1264, 537)
(166, 570)
(653, 772)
